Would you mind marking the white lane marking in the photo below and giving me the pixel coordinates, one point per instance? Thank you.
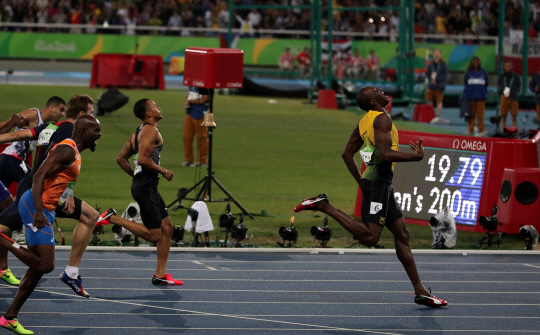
(306, 316)
(286, 261)
(206, 266)
(215, 314)
(271, 291)
(81, 299)
(534, 266)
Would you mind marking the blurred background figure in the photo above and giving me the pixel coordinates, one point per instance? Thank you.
(286, 61)
(509, 85)
(372, 66)
(476, 84)
(304, 62)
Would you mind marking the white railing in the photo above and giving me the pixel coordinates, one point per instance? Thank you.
(190, 31)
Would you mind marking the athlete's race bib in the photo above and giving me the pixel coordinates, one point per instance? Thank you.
(66, 194)
(138, 168)
(366, 153)
(44, 137)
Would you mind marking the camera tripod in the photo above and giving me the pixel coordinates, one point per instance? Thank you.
(205, 193)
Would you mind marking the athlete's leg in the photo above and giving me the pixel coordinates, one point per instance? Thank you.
(150, 235)
(27, 256)
(5, 203)
(31, 278)
(404, 254)
(367, 232)
(82, 233)
(164, 246)
(3, 251)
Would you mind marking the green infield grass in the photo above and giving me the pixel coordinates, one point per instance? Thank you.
(270, 156)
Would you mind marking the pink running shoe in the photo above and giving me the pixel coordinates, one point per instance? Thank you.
(311, 204)
(105, 218)
(430, 301)
(167, 280)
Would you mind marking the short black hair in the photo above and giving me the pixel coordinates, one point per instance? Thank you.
(140, 108)
(55, 101)
(508, 61)
(363, 100)
(471, 63)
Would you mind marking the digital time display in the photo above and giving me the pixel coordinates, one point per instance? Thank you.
(444, 178)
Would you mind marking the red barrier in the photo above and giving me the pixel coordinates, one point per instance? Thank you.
(327, 99)
(461, 172)
(423, 113)
(127, 71)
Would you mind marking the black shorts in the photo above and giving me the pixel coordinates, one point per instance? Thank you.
(12, 170)
(152, 206)
(378, 203)
(76, 215)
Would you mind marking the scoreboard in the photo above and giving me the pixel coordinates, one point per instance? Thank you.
(462, 173)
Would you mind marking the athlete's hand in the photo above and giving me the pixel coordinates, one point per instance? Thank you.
(69, 207)
(168, 175)
(418, 149)
(39, 219)
(18, 120)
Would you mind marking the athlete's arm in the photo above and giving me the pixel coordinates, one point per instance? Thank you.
(6, 126)
(383, 142)
(353, 145)
(61, 155)
(199, 101)
(26, 116)
(20, 135)
(125, 155)
(148, 136)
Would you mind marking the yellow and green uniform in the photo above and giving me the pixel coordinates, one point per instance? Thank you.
(376, 170)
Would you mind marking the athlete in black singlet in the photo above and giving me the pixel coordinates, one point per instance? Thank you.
(145, 146)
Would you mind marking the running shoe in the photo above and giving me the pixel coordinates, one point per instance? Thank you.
(75, 284)
(7, 276)
(186, 163)
(14, 326)
(311, 204)
(105, 218)
(430, 301)
(167, 280)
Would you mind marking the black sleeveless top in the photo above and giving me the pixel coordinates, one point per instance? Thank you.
(141, 175)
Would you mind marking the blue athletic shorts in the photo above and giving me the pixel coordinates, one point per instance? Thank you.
(43, 236)
(4, 193)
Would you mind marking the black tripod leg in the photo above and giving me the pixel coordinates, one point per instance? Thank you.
(187, 192)
(200, 195)
(232, 198)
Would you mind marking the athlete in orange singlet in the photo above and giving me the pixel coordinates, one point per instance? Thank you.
(53, 184)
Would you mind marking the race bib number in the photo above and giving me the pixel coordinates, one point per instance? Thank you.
(193, 96)
(375, 207)
(67, 193)
(44, 137)
(366, 153)
(138, 168)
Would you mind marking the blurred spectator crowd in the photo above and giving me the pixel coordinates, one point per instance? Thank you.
(468, 18)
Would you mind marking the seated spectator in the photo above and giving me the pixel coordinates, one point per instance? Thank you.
(355, 65)
(286, 61)
(372, 65)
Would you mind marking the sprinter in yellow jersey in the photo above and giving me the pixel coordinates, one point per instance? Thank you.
(377, 140)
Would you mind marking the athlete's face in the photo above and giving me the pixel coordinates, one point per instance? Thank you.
(155, 111)
(378, 95)
(93, 135)
(57, 112)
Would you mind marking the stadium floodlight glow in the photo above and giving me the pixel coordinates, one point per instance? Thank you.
(383, 19)
(288, 234)
(370, 20)
(323, 233)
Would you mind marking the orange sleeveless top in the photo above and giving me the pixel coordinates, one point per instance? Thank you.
(58, 187)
